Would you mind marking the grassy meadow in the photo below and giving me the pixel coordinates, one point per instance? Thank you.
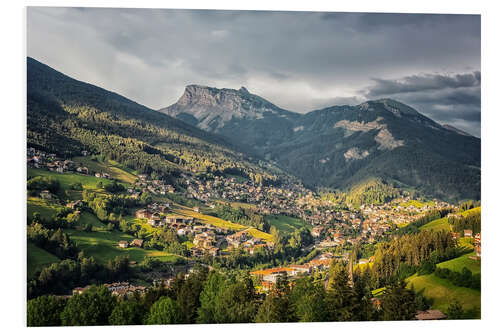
(443, 292)
(38, 258)
(103, 246)
(286, 223)
(215, 221)
(459, 263)
(114, 169)
(442, 223)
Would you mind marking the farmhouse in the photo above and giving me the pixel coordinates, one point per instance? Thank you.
(45, 195)
(137, 242)
(178, 219)
(477, 244)
(143, 214)
(123, 244)
(430, 315)
(468, 233)
(75, 204)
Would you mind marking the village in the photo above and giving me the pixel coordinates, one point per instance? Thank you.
(330, 227)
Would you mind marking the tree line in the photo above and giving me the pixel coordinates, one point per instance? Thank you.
(214, 297)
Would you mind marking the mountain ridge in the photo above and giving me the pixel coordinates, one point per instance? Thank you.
(338, 146)
(67, 116)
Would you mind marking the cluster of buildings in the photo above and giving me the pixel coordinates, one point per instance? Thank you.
(42, 160)
(268, 277)
(119, 289)
(399, 211)
(154, 186)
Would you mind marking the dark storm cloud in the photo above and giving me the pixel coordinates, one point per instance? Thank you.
(424, 82)
(298, 60)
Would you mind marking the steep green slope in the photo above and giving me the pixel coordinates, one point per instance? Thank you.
(67, 116)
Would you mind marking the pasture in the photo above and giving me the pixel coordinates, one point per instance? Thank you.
(215, 221)
(38, 258)
(103, 246)
(68, 178)
(286, 223)
(443, 292)
(114, 169)
(442, 223)
(459, 263)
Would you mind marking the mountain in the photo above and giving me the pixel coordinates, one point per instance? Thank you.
(236, 114)
(340, 147)
(456, 130)
(66, 116)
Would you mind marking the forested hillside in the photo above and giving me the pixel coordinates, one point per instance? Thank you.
(66, 116)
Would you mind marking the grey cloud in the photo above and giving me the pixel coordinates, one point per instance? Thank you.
(423, 82)
(298, 60)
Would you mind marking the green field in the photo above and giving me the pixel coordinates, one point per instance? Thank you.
(459, 263)
(443, 292)
(38, 258)
(286, 223)
(417, 203)
(115, 170)
(437, 225)
(89, 218)
(39, 205)
(215, 221)
(68, 178)
(103, 246)
(442, 223)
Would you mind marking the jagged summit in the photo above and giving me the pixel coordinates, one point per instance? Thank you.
(212, 108)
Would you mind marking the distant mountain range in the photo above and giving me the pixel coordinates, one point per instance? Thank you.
(342, 146)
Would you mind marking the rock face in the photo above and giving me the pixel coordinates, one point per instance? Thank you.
(339, 146)
(214, 108)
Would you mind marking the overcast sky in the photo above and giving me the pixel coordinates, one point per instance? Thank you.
(300, 61)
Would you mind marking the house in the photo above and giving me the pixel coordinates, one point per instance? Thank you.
(178, 219)
(430, 315)
(123, 244)
(363, 261)
(84, 170)
(155, 220)
(214, 251)
(80, 290)
(137, 242)
(468, 233)
(45, 194)
(196, 252)
(75, 204)
(477, 244)
(316, 231)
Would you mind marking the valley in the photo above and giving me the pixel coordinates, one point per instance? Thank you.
(225, 190)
